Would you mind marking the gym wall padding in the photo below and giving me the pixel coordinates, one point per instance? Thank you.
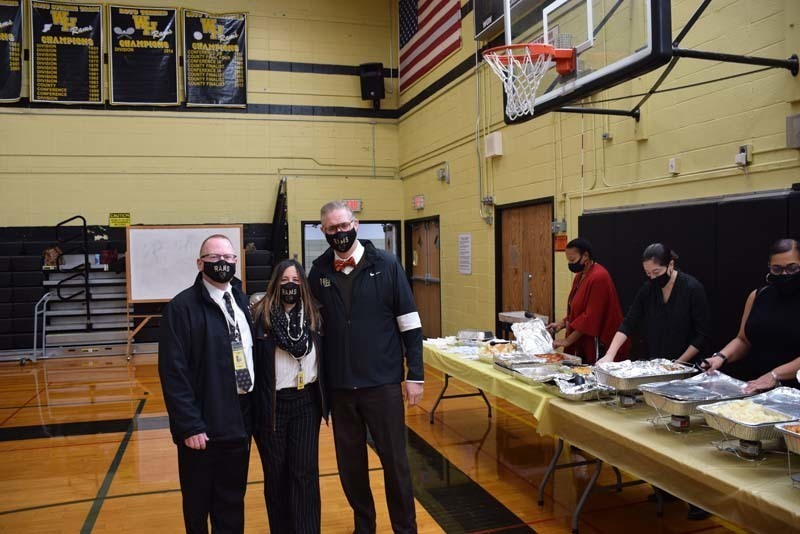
(721, 243)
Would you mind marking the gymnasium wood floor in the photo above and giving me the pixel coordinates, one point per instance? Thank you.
(85, 447)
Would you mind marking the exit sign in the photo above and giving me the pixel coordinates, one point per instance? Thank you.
(418, 202)
(355, 204)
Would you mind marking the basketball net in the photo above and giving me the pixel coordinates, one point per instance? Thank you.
(521, 69)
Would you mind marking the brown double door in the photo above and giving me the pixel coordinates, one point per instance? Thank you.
(425, 275)
(525, 246)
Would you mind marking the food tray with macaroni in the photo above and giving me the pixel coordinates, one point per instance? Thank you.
(791, 434)
(627, 376)
(754, 418)
(683, 397)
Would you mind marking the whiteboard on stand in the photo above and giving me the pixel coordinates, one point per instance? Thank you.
(162, 260)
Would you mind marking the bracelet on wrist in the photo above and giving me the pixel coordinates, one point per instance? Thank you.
(775, 378)
(720, 355)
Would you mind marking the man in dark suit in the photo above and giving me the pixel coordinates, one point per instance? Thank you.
(205, 362)
(370, 322)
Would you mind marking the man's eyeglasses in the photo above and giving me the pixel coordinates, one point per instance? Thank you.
(343, 227)
(792, 268)
(216, 257)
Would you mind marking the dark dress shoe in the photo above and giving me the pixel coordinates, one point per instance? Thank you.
(697, 514)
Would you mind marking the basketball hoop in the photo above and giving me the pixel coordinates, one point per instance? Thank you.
(521, 68)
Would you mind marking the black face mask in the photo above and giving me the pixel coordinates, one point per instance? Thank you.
(661, 281)
(575, 267)
(342, 241)
(219, 271)
(290, 292)
(786, 284)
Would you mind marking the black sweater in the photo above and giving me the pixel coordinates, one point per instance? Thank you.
(670, 327)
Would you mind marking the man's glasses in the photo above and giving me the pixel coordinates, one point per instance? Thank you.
(792, 268)
(216, 257)
(343, 227)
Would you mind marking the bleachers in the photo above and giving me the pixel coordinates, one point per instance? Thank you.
(23, 282)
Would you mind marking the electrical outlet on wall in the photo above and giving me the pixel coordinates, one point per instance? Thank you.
(744, 156)
(673, 166)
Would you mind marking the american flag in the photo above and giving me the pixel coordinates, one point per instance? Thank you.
(430, 30)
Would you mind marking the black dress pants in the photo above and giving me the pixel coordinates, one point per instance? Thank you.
(379, 409)
(290, 458)
(213, 483)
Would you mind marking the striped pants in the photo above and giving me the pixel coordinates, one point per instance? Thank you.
(290, 459)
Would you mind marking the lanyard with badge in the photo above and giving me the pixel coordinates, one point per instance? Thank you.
(300, 374)
(243, 379)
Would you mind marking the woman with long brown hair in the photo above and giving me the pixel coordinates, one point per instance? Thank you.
(290, 400)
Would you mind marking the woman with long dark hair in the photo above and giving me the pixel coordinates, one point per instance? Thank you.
(671, 305)
(290, 400)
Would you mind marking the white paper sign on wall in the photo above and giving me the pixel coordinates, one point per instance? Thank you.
(465, 253)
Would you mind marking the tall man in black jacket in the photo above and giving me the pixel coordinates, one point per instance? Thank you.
(370, 320)
(205, 362)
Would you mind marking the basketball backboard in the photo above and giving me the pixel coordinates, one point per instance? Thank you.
(615, 40)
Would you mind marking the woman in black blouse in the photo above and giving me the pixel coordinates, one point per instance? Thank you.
(674, 309)
(677, 317)
(770, 328)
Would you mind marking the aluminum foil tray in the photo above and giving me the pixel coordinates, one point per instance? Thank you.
(628, 376)
(784, 402)
(566, 359)
(536, 374)
(790, 435)
(682, 397)
(584, 392)
(512, 360)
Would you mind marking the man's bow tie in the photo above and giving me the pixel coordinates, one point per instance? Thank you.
(341, 264)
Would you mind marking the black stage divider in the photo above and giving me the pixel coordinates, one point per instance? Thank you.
(722, 243)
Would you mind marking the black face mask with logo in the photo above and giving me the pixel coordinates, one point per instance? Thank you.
(342, 241)
(786, 284)
(219, 271)
(290, 293)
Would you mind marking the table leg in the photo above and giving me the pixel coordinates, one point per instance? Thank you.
(619, 478)
(458, 396)
(550, 470)
(439, 398)
(585, 496)
(488, 406)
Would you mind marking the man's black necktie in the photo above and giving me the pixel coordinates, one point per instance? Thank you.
(243, 379)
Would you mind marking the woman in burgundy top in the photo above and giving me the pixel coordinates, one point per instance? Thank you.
(593, 309)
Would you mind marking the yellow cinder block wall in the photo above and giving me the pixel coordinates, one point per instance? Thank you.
(702, 127)
(204, 167)
(179, 167)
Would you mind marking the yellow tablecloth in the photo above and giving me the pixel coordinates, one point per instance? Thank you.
(484, 376)
(757, 495)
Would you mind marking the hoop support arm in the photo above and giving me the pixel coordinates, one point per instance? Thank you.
(634, 114)
(791, 64)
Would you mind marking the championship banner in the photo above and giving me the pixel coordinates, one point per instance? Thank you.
(10, 50)
(143, 55)
(215, 59)
(66, 53)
